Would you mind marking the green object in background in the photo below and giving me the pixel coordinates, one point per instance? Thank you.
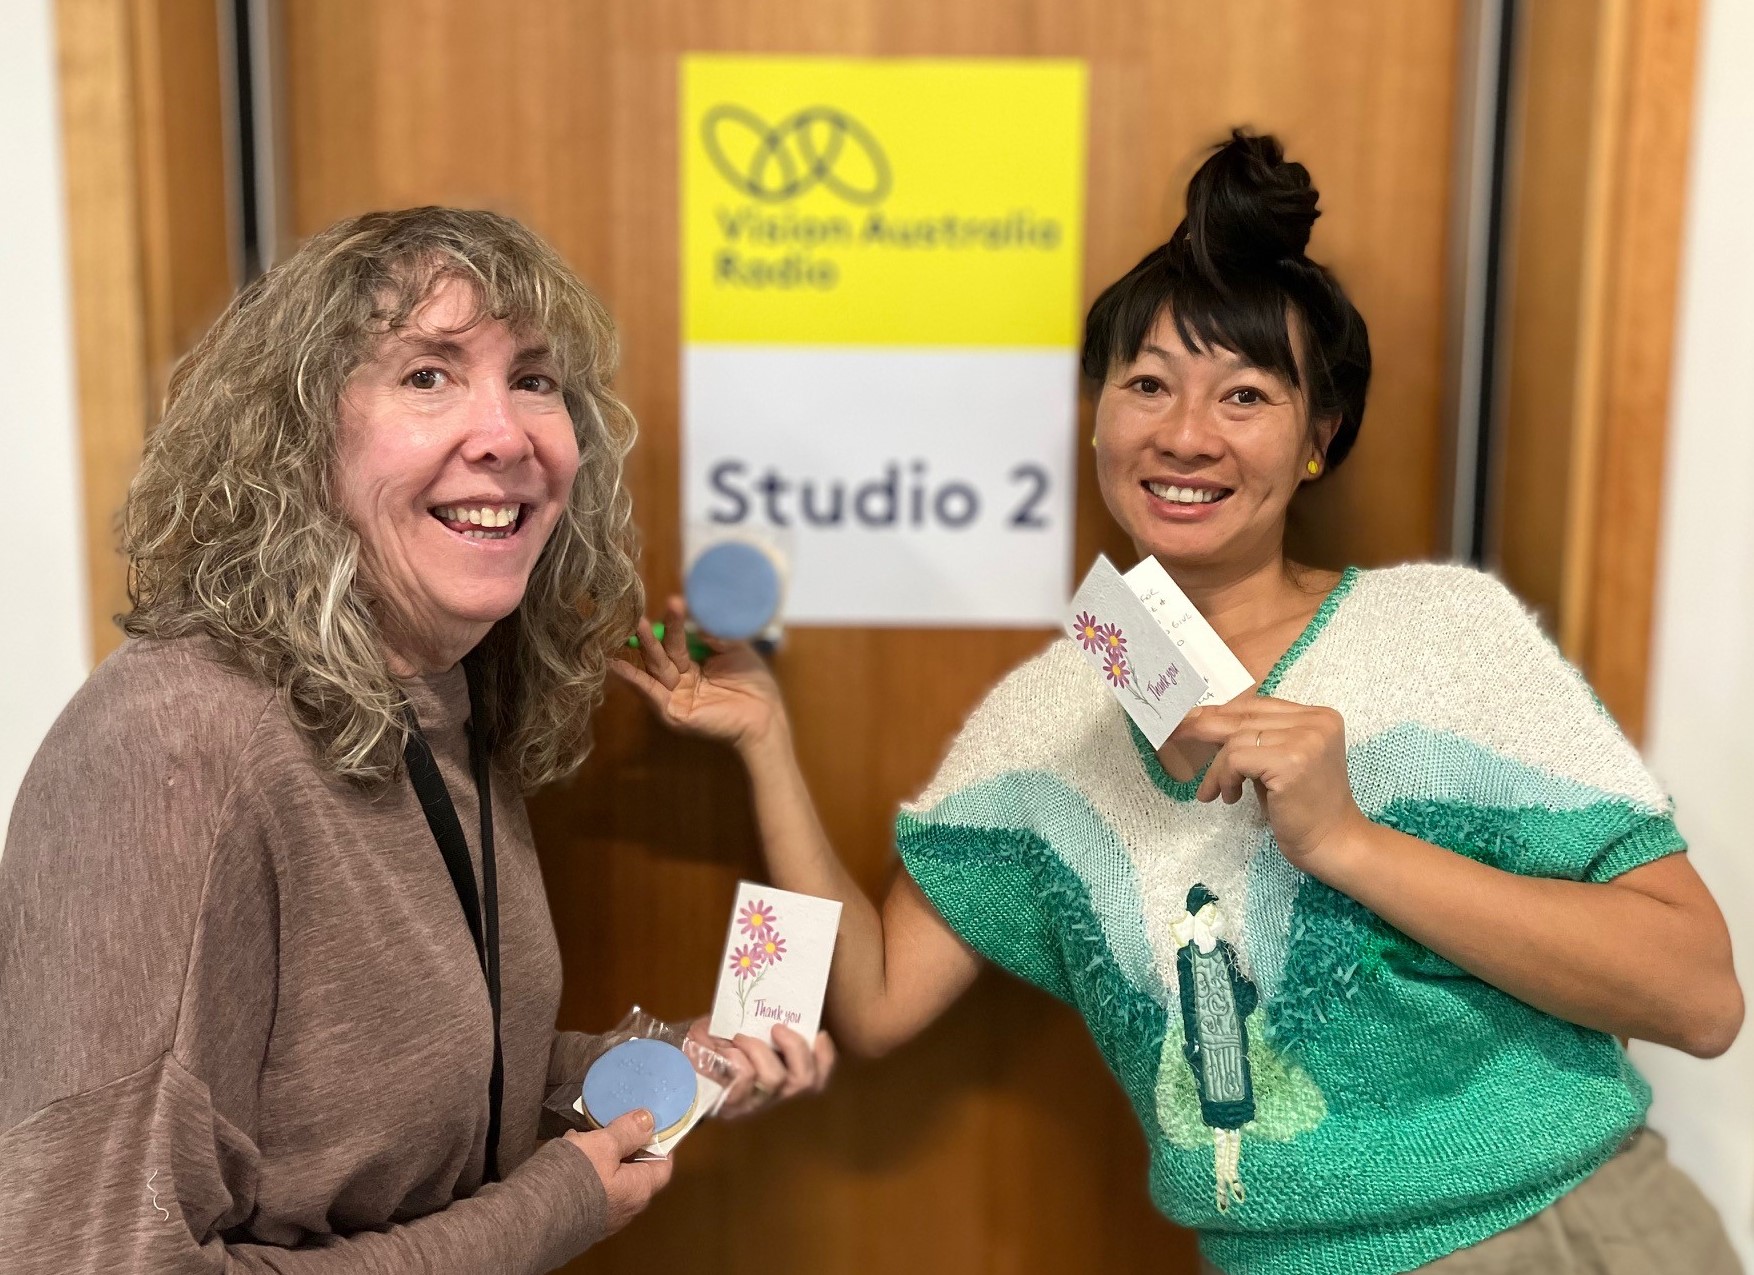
(698, 651)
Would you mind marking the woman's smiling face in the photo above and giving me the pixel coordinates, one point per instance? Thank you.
(455, 459)
(1199, 453)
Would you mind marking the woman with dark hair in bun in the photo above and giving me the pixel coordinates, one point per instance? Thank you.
(1358, 945)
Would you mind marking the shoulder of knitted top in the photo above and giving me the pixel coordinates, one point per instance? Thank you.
(1451, 650)
(1428, 614)
(1038, 718)
(1447, 593)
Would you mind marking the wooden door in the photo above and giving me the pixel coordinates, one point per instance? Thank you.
(997, 1142)
(1593, 230)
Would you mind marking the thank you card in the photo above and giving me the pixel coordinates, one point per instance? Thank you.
(776, 963)
(1225, 676)
(1148, 673)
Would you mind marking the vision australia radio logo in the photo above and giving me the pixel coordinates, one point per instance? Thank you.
(774, 237)
(817, 146)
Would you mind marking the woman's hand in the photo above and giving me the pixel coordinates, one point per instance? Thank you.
(1296, 757)
(764, 1074)
(732, 697)
(628, 1185)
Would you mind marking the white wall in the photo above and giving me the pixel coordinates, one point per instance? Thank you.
(44, 641)
(1701, 737)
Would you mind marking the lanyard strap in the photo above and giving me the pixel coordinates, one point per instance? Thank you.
(447, 831)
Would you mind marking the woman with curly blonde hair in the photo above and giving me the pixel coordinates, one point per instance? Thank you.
(279, 981)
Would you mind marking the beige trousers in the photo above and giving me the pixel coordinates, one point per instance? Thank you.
(1636, 1215)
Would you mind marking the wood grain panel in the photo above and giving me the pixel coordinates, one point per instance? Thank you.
(1601, 176)
(1597, 220)
(142, 135)
(997, 1142)
(1544, 300)
(186, 255)
(109, 322)
(1611, 556)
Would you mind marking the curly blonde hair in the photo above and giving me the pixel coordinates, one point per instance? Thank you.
(232, 531)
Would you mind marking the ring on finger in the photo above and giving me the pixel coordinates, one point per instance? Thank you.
(762, 1091)
(1258, 735)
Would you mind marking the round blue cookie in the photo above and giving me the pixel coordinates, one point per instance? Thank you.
(733, 590)
(640, 1073)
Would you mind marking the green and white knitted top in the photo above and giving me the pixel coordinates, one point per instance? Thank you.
(1401, 1108)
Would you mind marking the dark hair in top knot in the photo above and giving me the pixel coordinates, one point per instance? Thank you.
(1232, 275)
(1247, 207)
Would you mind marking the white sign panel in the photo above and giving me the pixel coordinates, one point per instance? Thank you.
(909, 486)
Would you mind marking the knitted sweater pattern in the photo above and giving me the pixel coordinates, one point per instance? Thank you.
(1402, 1108)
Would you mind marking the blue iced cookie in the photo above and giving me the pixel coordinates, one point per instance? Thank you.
(733, 590)
(640, 1073)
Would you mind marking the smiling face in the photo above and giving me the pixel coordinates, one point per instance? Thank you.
(1199, 454)
(455, 456)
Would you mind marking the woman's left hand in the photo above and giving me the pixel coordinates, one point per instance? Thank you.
(732, 698)
(1296, 757)
(764, 1074)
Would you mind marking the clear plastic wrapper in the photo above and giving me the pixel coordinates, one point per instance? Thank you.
(564, 1108)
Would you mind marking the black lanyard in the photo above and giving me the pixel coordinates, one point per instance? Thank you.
(447, 831)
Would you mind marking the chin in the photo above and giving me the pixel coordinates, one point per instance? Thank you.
(485, 606)
(1192, 548)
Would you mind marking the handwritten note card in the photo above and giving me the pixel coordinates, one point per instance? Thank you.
(776, 963)
(1225, 676)
(1123, 641)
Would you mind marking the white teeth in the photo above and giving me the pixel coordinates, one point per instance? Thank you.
(1184, 495)
(479, 515)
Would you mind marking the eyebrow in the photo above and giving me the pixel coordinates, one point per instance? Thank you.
(1242, 364)
(445, 347)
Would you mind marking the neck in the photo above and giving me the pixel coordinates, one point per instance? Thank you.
(1241, 597)
(413, 654)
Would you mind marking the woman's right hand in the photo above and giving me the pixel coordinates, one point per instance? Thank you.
(628, 1185)
(732, 697)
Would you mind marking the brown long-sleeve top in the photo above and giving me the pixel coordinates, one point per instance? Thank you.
(242, 1022)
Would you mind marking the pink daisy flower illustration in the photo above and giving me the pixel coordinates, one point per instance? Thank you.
(1113, 640)
(773, 949)
(1116, 670)
(755, 919)
(746, 961)
(1087, 631)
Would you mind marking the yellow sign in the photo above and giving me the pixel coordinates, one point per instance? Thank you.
(866, 202)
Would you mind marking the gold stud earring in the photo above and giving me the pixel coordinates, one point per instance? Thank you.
(1093, 440)
(1315, 467)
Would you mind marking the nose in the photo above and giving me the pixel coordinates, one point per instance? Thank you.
(496, 435)
(1189, 431)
